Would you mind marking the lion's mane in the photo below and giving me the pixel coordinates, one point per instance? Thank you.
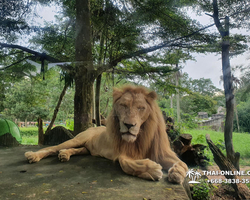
(152, 141)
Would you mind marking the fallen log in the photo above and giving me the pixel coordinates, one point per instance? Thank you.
(226, 165)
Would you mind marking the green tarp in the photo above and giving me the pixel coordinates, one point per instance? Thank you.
(7, 126)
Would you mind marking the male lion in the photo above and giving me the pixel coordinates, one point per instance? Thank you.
(135, 136)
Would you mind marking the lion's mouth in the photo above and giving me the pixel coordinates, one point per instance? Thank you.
(129, 137)
(128, 133)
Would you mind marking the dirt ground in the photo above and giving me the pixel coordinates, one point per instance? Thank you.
(83, 177)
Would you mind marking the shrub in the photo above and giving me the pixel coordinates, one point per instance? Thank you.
(30, 131)
(244, 117)
(70, 124)
(202, 190)
(189, 121)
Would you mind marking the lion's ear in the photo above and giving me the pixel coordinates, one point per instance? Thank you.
(152, 95)
(116, 94)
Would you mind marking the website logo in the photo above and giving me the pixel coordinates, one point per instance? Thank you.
(194, 175)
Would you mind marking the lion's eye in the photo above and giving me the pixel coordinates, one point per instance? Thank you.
(123, 105)
(141, 108)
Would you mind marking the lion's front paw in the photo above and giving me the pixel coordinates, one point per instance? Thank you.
(152, 171)
(152, 174)
(177, 173)
(64, 155)
(32, 157)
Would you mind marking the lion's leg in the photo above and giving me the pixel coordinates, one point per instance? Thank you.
(144, 168)
(176, 168)
(45, 152)
(64, 154)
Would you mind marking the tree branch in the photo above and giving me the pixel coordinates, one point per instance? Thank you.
(114, 62)
(35, 53)
(26, 57)
(216, 18)
(10, 54)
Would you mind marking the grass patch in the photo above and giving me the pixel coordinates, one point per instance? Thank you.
(29, 135)
(28, 131)
(240, 142)
(30, 140)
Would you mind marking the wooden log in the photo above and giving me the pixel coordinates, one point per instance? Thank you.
(40, 131)
(186, 139)
(226, 165)
(177, 146)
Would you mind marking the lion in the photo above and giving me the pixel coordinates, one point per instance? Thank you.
(134, 136)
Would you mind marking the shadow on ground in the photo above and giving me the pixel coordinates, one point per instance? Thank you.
(83, 177)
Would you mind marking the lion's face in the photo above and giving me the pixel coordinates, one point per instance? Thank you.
(132, 110)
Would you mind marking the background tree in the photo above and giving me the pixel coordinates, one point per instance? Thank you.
(235, 14)
(12, 18)
(122, 38)
(130, 30)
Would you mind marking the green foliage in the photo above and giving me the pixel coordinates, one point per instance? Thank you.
(200, 139)
(239, 142)
(164, 105)
(194, 103)
(243, 109)
(220, 144)
(30, 131)
(203, 86)
(189, 121)
(32, 97)
(202, 191)
(30, 140)
(220, 99)
(70, 124)
(106, 100)
(13, 15)
(61, 35)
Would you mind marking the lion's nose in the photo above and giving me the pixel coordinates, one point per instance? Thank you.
(129, 125)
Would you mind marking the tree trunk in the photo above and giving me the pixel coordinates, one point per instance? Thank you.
(228, 86)
(25, 123)
(40, 131)
(85, 73)
(97, 100)
(93, 106)
(99, 78)
(177, 75)
(236, 115)
(228, 89)
(83, 103)
(171, 101)
(57, 108)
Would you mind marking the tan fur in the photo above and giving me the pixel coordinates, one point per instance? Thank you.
(135, 136)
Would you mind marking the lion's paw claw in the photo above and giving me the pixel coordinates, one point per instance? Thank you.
(152, 170)
(176, 174)
(63, 155)
(152, 174)
(32, 157)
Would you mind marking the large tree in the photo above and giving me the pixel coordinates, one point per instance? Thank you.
(226, 14)
(124, 31)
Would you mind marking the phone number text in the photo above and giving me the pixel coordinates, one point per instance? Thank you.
(228, 180)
